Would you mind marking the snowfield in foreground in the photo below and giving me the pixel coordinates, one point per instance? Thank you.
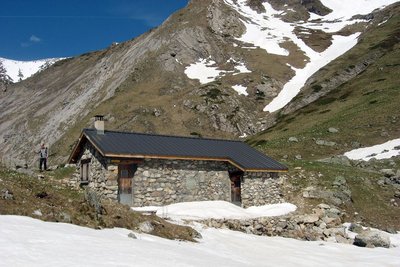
(32, 242)
(29, 242)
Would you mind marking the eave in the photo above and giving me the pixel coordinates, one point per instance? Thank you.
(77, 149)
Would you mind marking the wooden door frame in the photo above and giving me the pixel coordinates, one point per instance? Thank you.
(239, 174)
(131, 168)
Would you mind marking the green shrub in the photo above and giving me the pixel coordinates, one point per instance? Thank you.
(316, 87)
(325, 101)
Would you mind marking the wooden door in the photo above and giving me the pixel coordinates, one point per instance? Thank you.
(125, 177)
(236, 183)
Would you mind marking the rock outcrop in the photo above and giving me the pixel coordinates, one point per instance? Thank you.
(324, 223)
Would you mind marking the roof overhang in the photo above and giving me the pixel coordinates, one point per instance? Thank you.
(79, 146)
(230, 161)
(83, 137)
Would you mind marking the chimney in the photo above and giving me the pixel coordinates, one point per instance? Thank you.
(99, 124)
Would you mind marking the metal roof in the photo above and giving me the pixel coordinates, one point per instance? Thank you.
(128, 144)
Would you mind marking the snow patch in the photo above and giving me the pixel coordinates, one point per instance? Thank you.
(244, 135)
(241, 68)
(383, 22)
(340, 44)
(263, 30)
(342, 14)
(382, 151)
(240, 89)
(204, 70)
(218, 210)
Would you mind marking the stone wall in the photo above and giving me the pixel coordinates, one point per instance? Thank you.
(261, 188)
(102, 174)
(160, 182)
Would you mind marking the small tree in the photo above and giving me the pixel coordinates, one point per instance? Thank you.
(4, 78)
(20, 75)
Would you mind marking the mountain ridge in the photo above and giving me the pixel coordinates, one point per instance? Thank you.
(19, 70)
(53, 106)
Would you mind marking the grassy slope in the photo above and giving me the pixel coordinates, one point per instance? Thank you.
(365, 110)
(370, 202)
(57, 202)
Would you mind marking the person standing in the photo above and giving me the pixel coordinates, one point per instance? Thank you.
(43, 154)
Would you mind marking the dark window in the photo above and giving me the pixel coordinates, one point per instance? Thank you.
(274, 175)
(85, 171)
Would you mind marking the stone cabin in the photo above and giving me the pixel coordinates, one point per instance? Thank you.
(146, 169)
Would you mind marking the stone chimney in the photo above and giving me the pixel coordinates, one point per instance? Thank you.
(99, 124)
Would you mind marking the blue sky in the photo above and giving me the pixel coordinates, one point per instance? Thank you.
(36, 29)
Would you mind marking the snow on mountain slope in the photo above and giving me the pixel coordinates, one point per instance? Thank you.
(27, 68)
(342, 14)
(381, 151)
(206, 70)
(268, 31)
(340, 44)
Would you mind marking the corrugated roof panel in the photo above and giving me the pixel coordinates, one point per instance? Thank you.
(123, 143)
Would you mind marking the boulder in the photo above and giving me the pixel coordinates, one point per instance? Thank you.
(338, 231)
(308, 218)
(333, 130)
(334, 212)
(356, 228)
(339, 181)
(324, 206)
(146, 227)
(342, 240)
(339, 159)
(324, 143)
(343, 194)
(372, 238)
(319, 212)
(64, 217)
(132, 235)
(6, 194)
(293, 139)
(37, 213)
(329, 196)
(387, 172)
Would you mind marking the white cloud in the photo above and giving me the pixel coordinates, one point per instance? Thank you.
(35, 39)
(32, 40)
